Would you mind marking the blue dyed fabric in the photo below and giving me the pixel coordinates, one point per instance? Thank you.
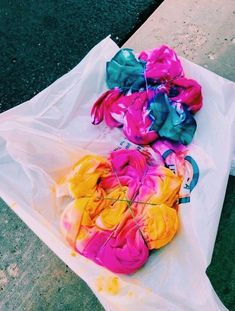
(125, 72)
(171, 120)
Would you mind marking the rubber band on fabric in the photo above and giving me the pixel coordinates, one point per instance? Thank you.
(149, 97)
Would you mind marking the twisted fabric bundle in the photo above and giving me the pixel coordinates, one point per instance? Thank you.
(149, 97)
(121, 208)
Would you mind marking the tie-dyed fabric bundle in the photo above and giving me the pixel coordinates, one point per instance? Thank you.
(124, 206)
(149, 97)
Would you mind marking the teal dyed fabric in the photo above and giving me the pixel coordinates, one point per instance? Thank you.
(125, 71)
(171, 120)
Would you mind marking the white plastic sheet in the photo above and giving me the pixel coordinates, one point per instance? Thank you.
(41, 138)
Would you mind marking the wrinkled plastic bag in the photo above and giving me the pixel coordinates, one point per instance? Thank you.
(42, 138)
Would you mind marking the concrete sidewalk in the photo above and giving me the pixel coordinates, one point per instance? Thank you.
(201, 31)
(31, 276)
